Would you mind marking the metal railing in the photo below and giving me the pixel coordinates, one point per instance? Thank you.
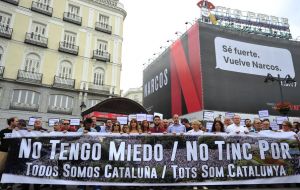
(23, 106)
(6, 31)
(63, 82)
(1, 71)
(14, 2)
(99, 87)
(102, 27)
(101, 55)
(27, 76)
(68, 48)
(36, 39)
(41, 8)
(73, 18)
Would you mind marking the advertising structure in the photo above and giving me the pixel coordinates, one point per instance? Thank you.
(211, 68)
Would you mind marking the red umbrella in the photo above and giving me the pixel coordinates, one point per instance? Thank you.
(205, 4)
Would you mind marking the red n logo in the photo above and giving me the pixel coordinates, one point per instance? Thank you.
(186, 75)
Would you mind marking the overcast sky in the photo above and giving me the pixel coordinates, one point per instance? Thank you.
(150, 23)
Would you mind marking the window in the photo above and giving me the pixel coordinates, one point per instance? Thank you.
(32, 63)
(74, 9)
(65, 70)
(1, 55)
(69, 40)
(91, 103)
(38, 29)
(61, 101)
(98, 76)
(103, 19)
(5, 19)
(26, 97)
(44, 2)
(102, 46)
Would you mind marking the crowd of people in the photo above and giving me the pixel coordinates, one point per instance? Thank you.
(174, 126)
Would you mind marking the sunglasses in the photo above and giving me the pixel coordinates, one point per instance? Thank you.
(66, 123)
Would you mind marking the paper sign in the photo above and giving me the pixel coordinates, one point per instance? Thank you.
(208, 116)
(279, 120)
(32, 120)
(141, 117)
(263, 114)
(243, 122)
(158, 114)
(75, 121)
(229, 115)
(52, 121)
(209, 126)
(150, 118)
(131, 116)
(274, 126)
(122, 120)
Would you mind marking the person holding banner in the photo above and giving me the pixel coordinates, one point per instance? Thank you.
(227, 121)
(87, 126)
(236, 127)
(257, 125)
(116, 128)
(196, 125)
(37, 126)
(145, 126)
(107, 128)
(157, 128)
(134, 127)
(218, 127)
(176, 127)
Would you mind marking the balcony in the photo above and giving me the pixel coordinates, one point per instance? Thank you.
(42, 8)
(102, 27)
(5, 31)
(100, 88)
(23, 106)
(101, 55)
(14, 2)
(68, 48)
(60, 82)
(60, 110)
(36, 39)
(72, 18)
(30, 77)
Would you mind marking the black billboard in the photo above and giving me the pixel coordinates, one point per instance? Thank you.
(213, 68)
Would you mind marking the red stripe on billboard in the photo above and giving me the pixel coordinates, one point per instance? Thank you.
(195, 61)
(186, 76)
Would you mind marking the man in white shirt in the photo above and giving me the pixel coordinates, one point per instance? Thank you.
(236, 127)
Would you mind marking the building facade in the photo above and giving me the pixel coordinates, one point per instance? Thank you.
(135, 94)
(57, 54)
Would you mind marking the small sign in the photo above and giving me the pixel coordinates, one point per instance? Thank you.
(209, 126)
(75, 121)
(141, 117)
(32, 120)
(150, 118)
(243, 123)
(274, 126)
(131, 116)
(122, 120)
(158, 114)
(52, 121)
(208, 116)
(229, 115)
(280, 120)
(263, 114)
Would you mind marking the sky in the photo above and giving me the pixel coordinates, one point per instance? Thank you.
(151, 23)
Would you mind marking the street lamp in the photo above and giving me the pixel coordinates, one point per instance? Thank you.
(287, 79)
(82, 106)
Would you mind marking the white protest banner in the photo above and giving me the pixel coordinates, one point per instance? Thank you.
(229, 115)
(131, 116)
(263, 114)
(280, 120)
(208, 115)
(209, 126)
(141, 117)
(52, 121)
(274, 126)
(122, 120)
(241, 57)
(75, 121)
(158, 114)
(149, 118)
